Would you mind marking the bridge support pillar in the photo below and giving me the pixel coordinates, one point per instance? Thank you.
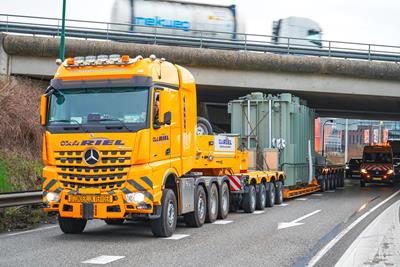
(4, 58)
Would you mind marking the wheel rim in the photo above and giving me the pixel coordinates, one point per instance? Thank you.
(201, 207)
(263, 197)
(171, 213)
(272, 193)
(214, 203)
(252, 197)
(225, 201)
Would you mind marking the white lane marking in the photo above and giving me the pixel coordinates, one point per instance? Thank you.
(33, 230)
(103, 259)
(378, 243)
(282, 205)
(176, 237)
(317, 195)
(333, 242)
(222, 222)
(296, 222)
(258, 212)
(302, 199)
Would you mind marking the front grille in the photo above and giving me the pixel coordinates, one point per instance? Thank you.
(108, 174)
(373, 172)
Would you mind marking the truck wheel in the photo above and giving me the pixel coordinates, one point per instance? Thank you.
(334, 181)
(279, 193)
(260, 197)
(322, 184)
(198, 216)
(203, 126)
(213, 204)
(330, 182)
(165, 225)
(72, 225)
(249, 200)
(224, 202)
(270, 195)
(362, 183)
(114, 221)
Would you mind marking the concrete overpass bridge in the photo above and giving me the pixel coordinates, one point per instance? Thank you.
(334, 87)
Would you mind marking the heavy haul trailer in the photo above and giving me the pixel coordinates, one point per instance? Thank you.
(121, 143)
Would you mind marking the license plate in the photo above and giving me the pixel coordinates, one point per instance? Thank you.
(90, 198)
(377, 179)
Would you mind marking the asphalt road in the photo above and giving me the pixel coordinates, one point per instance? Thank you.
(241, 240)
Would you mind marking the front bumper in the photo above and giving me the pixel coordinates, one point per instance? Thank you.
(368, 178)
(118, 208)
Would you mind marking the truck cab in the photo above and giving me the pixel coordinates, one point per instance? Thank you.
(377, 165)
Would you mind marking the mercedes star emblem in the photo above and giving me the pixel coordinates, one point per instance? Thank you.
(91, 156)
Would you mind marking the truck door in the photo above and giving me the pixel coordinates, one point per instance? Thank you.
(161, 132)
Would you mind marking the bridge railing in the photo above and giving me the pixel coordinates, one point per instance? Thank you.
(125, 32)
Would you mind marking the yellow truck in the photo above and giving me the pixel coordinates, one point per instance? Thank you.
(121, 141)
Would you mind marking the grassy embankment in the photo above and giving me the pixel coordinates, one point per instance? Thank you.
(20, 146)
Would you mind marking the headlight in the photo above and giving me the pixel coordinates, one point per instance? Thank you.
(137, 197)
(390, 172)
(363, 171)
(347, 167)
(52, 197)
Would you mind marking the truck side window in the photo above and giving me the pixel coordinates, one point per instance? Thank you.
(156, 110)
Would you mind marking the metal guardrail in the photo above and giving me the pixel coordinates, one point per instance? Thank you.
(20, 198)
(201, 39)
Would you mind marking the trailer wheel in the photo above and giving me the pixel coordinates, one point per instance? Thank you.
(322, 184)
(114, 221)
(165, 225)
(223, 202)
(335, 180)
(203, 126)
(249, 200)
(260, 197)
(279, 193)
(72, 225)
(270, 195)
(330, 182)
(213, 204)
(198, 216)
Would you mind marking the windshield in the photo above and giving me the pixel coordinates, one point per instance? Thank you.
(122, 107)
(355, 161)
(377, 158)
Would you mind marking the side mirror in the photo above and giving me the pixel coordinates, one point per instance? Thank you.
(43, 110)
(167, 118)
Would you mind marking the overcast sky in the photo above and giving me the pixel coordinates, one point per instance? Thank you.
(366, 21)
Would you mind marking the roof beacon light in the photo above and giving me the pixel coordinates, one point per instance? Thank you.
(152, 57)
(70, 61)
(90, 59)
(125, 59)
(79, 60)
(102, 58)
(114, 57)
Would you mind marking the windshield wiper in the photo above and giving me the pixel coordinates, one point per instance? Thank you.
(115, 119)
(75, 121)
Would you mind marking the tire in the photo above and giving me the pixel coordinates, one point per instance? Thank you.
(334, 181)
(223, 209)
(198, 216)
(213, 204)
(322, 184)
(114, 221)
(165, 225)
(270, 195)
(72, 225)
(203, 126)
(362, 183)
(249, 200)
(261, 197)
(330, 182)
(279, 193)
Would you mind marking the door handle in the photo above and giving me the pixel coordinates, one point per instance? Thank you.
(167, 151)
